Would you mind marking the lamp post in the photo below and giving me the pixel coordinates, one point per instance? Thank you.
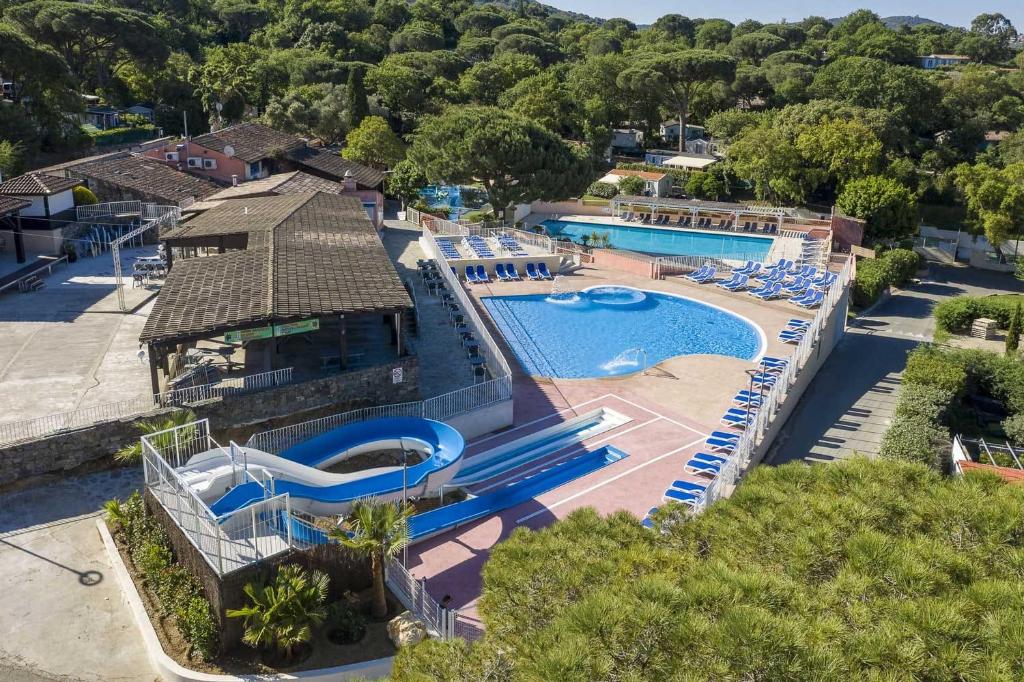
(405, 497)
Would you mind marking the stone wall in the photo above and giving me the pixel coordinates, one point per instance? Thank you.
(348, 573)
(231, 418)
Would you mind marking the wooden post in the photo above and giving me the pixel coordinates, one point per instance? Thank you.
(398, 334)
(19, 240)
(154, 372)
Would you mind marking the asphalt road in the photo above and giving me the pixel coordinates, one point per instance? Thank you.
(849, 405)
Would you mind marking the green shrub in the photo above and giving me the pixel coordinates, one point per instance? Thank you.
(957, 314)
(871, 281)
(902, 265)
(917, 432)
(929, 366)
(112, 136)
(1013, 331)
(177, 591)
(604, 190)
(1014, 429)
(84, 196)
(631, 185)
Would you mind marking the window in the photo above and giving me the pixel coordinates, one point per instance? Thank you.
(254, 170)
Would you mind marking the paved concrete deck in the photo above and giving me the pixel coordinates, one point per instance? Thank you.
(68, 345)
(64, 618)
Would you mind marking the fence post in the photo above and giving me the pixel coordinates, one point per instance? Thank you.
(288, 517)
(255, 542)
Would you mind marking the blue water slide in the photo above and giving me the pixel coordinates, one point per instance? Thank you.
(422, 526)
(303, 481)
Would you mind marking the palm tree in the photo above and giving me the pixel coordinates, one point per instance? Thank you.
(379, 530)
(132, 454)
(283, 613)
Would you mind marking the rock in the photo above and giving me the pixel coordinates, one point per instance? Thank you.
(406, 630)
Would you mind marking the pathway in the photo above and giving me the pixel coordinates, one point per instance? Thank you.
(850, 404)
(64, 618)
(444, 366)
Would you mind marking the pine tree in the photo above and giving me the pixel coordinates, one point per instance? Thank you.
(357, 102)
(1013, 333)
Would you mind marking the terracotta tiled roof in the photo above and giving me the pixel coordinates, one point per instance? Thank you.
(146, 177)
(307, 255)
(37, 185)
(332, 165)
(646, 175)
(279, 183)
(250, 141)
(1010, 475)
(10, 205)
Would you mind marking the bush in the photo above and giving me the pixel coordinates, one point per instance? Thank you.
(957, 314)
(892, 268)
(112, 136)
(84, 196)
(632, 185)
(917, 432)
(604, 190)
(1014, 429)
(177, 591)
(928, 366)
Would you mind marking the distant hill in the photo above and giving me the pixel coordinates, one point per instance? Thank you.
(898, 21)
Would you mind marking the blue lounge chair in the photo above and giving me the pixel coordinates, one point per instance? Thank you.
(713, 459)
(647, 523)
(531, 271)
(736, 422)
(798, 324)
(687, 486)
(732, 281)
(481, 274)
(720, 445)
(499, 271)
(698, 466)
(812, 301)
(471, 275)
(763, 289)
(697, 274)
(774, 291)
(672, 495)
(511, 270)
(746, 269)
(542, 268)
(753, 400)
(725, 434)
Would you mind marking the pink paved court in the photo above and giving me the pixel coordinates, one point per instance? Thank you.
(671, 409)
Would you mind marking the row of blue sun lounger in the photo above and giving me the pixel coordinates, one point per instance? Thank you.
(506, 272)
(794, 332)
(804, 286)
(747, 402)
(511, 245)
(479, 246)
(701, 223)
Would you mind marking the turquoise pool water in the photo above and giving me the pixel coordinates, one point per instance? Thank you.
(611, 331)
(667, 241)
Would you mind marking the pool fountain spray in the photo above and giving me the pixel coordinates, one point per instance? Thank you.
(627, 358)
(559, 296)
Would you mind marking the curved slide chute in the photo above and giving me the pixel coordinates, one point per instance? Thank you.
(298, 470)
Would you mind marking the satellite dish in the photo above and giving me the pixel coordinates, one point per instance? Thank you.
(229, 151)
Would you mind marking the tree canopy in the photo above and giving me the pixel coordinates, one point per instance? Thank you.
(867, 569)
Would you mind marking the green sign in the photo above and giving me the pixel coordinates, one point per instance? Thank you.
(269, 332)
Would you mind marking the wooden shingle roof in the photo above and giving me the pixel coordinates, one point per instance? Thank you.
(249, 142)
(331, 164)
(308, 255)
(36, 185)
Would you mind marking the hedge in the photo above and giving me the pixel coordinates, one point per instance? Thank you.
(110, 136)
(957, 314)
(178, 592)
(892, 268)
(927, 366)
(603, 190)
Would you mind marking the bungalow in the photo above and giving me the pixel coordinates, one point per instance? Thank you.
(935, 61)
(51, 204)
(132, 177)
(665, 157)
(655, 184)
(626, 140)
(669, 131)
(247, 151)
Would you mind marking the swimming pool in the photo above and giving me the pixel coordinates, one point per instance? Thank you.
(611, 331)
(667, 241)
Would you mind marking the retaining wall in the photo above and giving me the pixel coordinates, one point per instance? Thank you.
(231, 418)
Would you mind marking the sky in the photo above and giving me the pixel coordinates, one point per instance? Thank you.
(955, 12)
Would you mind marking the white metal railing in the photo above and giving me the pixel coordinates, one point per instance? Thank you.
(488, 347)
(30, 429)
(440, 621)
(441, 408)
(48, 266)
(773, 397)
(126, 208)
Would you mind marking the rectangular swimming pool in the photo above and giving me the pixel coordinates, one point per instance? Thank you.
(667, 241)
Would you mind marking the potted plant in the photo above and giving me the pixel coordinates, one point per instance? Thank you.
(69, 250)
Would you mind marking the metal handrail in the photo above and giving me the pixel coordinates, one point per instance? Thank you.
(47, 266)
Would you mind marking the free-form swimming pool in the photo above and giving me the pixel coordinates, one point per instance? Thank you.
(667, 241)
(610, 331)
